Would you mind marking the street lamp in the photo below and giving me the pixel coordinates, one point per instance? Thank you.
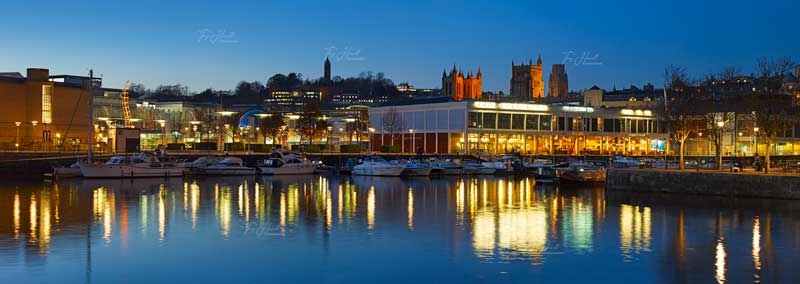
(755, 133)
(16, 141)
(721, 126)
(371, 138)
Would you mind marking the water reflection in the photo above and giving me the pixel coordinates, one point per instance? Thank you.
(467, 222)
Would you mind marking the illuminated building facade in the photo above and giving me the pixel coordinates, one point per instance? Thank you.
(458, 87)
(39, 113)
(527, 82)
(558, 83)
(483, 127)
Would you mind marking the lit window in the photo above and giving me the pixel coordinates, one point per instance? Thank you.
(47, 107)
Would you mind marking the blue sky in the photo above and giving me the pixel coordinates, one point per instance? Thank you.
(168, 42)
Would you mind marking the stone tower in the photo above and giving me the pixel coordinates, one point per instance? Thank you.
(527, 82)
(458, 87)
(327, 76)
(558, 84)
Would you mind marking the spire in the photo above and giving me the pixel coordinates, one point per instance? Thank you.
(444, 73)
(454, 70)
(539, 61)
(479, 73)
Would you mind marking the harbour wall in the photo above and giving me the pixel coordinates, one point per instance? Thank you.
(704, 183)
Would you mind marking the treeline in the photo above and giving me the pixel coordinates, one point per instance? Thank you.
(367, 83)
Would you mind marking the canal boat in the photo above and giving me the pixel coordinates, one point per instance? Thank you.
(288, 164)
(144, 164)
(377, 166)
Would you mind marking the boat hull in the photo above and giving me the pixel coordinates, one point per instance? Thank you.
(226, 171)
(378, 171)
(124, 171)
(417, 171)
(287, 170)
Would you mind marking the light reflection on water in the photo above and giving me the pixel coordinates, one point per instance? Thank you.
(340, 228)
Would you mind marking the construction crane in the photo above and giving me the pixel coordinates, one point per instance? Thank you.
(126, 109)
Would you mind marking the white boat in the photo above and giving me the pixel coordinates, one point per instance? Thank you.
(290, 164)
(377, 166)
(229, 166)
(446, 168)
(415, 168)
(583, 173)
(142, 165)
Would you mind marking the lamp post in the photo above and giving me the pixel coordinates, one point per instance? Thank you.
(34, 123)
(755, 134)
(721, 128)
(371, 139)
(16, 140)
(328, 140)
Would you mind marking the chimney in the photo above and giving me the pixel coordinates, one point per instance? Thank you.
(38, 74)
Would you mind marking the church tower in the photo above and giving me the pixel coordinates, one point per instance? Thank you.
(527, 82)
(327, 76)
(459, 87)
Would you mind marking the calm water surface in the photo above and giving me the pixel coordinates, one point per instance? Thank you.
(385, 230)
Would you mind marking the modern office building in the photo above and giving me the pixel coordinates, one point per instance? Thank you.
(444, 126)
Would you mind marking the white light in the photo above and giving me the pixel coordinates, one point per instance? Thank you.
(485, 105)
(577, 109)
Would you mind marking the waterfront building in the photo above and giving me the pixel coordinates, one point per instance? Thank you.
(39, 114)
(445, 126)
(458, 87)
(527, 81)
(558, 83)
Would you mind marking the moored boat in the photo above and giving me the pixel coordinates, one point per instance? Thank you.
(377, 166)
(144, 164)
(583, 173)
(290, 164)
(229, 166)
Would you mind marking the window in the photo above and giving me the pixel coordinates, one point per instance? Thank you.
(503, 121)
(545, 122)
(475, 119)
(518, 121)
(489, 120)
(47, 104)
(532, 122)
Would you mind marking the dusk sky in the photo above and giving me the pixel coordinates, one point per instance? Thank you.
(169, 42)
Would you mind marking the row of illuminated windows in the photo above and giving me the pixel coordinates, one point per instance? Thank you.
(546, 122)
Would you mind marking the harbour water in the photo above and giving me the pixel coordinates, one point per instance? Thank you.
(331, 229)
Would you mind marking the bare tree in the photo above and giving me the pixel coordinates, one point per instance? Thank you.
(681, 123)
(676, 77)
(771, 118)
(774, 66)
(392, 122)
(716, 123)
(728, 73)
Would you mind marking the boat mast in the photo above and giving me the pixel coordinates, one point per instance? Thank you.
(90, 132)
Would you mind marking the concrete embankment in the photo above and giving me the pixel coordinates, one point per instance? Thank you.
(704, 183)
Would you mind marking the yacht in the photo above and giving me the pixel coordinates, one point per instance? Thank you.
(144, 164)
(289, 164)
(377, 166)
(229, 166)
(415, 168)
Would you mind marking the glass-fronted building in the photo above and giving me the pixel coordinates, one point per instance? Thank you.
(483, 127)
